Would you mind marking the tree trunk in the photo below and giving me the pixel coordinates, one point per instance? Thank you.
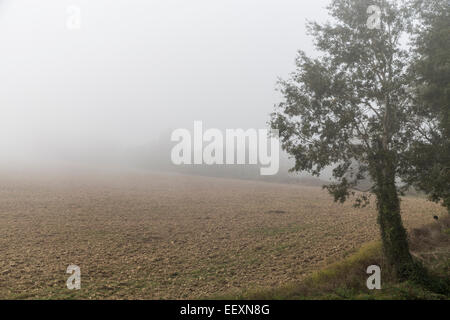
(393, 234)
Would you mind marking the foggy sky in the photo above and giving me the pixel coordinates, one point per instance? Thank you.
(137, 69)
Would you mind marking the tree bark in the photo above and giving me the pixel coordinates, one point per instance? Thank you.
(393, 234)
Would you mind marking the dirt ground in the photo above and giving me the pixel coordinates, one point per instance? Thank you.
(138, 235)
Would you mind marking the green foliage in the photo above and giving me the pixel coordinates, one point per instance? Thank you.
(347, 280)
(429, 156)
(348, 108)
(352, 108)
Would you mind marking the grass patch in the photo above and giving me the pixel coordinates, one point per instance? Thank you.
(347, 280)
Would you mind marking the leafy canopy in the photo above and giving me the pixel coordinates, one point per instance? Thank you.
(351, 108)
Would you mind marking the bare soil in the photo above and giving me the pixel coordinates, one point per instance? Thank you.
(139, 235)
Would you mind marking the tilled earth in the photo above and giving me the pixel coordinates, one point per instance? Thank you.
(142, 235)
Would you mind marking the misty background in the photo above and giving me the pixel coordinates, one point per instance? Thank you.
(111, 92)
